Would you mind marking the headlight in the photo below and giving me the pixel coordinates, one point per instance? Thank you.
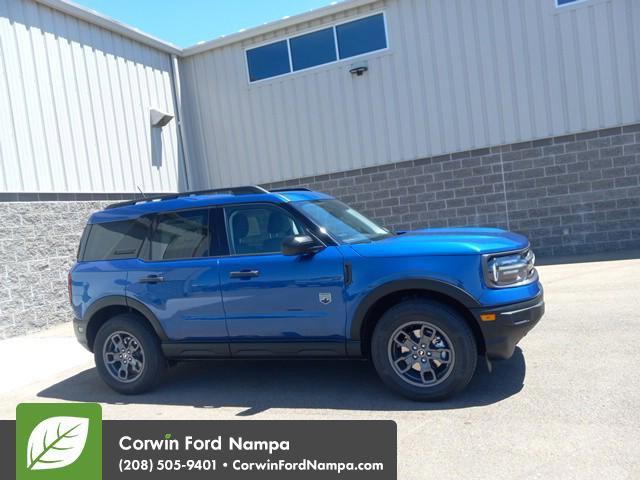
(509, 269)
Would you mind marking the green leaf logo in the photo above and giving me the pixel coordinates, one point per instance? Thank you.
(56, 442)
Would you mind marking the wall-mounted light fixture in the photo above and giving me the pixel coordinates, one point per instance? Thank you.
(159, 119)
(358, 69)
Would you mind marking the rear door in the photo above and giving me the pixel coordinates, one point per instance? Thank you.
(177, 277)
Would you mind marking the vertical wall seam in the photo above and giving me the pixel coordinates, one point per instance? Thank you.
(59, 40)
(465, 78)
(544, 65)
(12, 117)
(449, 69)
(26, 107)
(578, 57)
(513, 86)
(527, 68)
(38, 81)
(596, 62)
(632, 57)
(496, 73)
(563, 75)
(614, 58)
(55, 108)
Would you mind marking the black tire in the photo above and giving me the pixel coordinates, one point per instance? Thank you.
(154, 364)
(451, 324)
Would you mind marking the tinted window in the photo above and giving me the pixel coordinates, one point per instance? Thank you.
(313, 49)
(268, 61)
(361, 36)
(114, 240)
(564, 2)
(259, 229)
(342, 221)
(180, 235)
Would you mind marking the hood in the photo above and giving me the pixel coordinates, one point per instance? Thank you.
(444, 241)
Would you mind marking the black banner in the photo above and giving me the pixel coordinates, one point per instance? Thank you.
(238, 449)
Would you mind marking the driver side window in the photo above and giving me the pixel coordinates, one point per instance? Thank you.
(259, 229)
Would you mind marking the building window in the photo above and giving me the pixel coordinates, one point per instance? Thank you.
(311, 49)
(268, 61)
(361, 36)
(560, 3)
(327, 45)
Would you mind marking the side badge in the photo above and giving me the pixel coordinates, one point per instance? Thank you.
(325, 298)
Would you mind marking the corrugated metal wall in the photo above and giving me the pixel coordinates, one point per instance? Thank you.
(459, 74)
(74, 106)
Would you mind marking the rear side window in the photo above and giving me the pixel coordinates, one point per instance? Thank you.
(115, 240)
(180, 235)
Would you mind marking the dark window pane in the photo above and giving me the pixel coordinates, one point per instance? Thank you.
(181, 235)
(114, 240)
(268, 61)
(564, 2)
(361, 36)
(313, 49)
(261, 229)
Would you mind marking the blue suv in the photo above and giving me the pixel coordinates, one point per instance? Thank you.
(246, 272)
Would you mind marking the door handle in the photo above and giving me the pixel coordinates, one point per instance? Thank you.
(151, 279)
(244, 274)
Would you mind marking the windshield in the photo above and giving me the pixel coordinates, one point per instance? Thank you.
(342, 221)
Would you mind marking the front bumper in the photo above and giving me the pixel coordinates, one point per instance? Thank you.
(511, 323)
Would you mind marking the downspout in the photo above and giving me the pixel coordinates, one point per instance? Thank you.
(177, 97)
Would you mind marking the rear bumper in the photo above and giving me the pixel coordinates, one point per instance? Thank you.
(80, 329)
(512, 322)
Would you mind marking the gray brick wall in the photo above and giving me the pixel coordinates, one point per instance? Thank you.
(571, 194)
(38, 242)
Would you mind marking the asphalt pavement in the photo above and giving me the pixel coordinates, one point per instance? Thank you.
(567, 405)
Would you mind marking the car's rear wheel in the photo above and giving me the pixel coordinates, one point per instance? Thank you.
(424, 350)
(128, 355)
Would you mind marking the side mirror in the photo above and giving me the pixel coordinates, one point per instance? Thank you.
(300, 245)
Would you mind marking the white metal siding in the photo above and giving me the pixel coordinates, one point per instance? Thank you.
(459, 75)
(74, 106)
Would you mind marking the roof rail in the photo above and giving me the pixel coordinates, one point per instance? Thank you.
(290, 189)
(244, 190)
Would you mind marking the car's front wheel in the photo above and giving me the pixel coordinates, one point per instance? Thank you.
(424, 350)
(128, 355)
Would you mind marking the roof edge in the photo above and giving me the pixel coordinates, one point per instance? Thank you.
(335, 7)
(111, 24)
(91, 16)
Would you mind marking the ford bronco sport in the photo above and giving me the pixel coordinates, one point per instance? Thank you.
(246, 272)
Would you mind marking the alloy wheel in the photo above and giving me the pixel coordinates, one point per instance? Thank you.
(421, 354)
(123, 356)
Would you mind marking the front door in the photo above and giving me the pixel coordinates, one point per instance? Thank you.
(277, 304)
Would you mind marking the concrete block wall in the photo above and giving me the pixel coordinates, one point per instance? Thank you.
(570, 195)
(38, 242)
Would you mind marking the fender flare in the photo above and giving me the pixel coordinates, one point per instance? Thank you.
(428, 284)
(121, 300)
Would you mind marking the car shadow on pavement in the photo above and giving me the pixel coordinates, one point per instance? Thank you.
(259, 385)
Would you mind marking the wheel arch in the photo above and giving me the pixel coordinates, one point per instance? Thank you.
(105, 308)
(373, 306)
